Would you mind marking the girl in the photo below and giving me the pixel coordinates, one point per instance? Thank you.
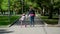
(22, 19)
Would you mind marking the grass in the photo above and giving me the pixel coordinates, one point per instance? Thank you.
(4, 20)
(53, 21)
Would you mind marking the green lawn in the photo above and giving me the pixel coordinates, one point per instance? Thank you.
(54, 20)
(4, 20)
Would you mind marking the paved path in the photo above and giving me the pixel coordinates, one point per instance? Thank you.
(30, 30)
(38, 29)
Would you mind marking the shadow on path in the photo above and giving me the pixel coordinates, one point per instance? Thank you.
(38, 21)
(4, 31)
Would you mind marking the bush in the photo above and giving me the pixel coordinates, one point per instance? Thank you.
(4, 20)
(54, 20)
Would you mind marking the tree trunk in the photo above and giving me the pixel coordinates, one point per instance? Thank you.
(4, 12)
(1, 12)
(43, 11)
(50, 13)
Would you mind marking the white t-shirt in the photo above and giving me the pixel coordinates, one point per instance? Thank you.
(22, 18)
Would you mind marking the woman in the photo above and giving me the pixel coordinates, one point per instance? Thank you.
(32, 15)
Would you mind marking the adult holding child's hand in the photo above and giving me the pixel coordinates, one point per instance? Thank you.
(31, 15)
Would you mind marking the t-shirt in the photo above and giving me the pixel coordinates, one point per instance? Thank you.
(22, 18)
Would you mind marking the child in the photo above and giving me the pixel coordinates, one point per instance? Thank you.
(22, 19)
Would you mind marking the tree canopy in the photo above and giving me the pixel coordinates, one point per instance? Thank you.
(17, 4)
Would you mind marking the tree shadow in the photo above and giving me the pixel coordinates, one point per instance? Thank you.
(4, 31)
(55, 18)
(38, 22)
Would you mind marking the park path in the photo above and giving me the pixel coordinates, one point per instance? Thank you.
(28, 30)
(39, 28)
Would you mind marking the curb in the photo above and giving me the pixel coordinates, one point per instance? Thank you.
(49, 25)
(53, 25)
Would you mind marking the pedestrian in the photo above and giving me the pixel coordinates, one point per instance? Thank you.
(32, 15)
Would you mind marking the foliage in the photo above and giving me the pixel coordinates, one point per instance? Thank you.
(4, 4)
(16, 5)
(50, 21)
(4, 20)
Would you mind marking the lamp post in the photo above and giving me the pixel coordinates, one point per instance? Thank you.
(22, 5)
(9, 9)
(59, 17)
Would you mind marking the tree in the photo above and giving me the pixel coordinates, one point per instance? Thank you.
(48, 4)
(0, 6)
(4, 5)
